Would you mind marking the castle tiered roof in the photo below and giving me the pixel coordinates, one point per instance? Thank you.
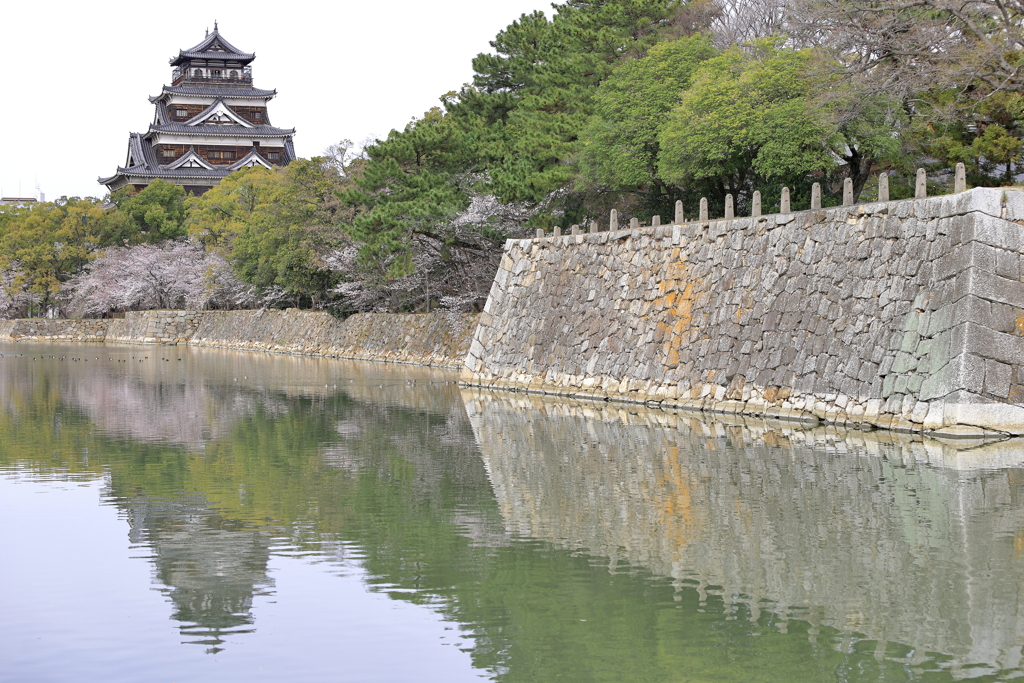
(213, 47)
(209, 122)
(237, 92)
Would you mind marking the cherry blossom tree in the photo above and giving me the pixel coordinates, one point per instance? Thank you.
(14, 301)
(168, 275)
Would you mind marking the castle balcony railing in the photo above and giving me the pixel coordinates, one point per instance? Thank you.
(181, 75)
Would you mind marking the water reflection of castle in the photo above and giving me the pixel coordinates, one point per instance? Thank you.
(857, 533)
(211, 567)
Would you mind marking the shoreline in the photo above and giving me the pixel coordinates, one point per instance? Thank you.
(803, 419)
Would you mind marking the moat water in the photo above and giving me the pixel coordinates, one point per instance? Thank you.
(178, 514)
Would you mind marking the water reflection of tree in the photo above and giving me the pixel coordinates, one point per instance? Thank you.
(210, 469)
(389, 464)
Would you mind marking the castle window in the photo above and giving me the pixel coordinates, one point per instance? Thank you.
(181, 112)
(227, 155)
(273, 156)
(166, 152)
(213, 155)
(257, 116)
(198, 73)
(216, 73)
(234, 74)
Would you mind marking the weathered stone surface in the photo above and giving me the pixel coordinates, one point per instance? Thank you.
(888, 313)
(437, 339)
(63, 330)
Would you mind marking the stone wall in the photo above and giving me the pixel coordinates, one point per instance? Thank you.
(906, 315)
(155, 327)
(437, 339)
(36, 329)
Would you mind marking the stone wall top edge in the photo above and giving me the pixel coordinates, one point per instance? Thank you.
(990, 201)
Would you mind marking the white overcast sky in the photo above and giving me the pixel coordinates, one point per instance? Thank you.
(77, 75)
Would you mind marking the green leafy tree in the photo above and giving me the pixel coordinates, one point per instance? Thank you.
(945, 71)
(282, 243)
(413, 183)
(153, 215)
(619, 147)
(746, 121)
(48, 244)
(216, 217)
(275, 227)
(531, 100)
(985, 136)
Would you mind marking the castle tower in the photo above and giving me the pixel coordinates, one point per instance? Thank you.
(208, 122)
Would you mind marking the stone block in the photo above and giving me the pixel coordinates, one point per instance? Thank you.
(965, 409)
(1008, 263)
(1014, 203)
(987, 285)
(994, 231)
(988, 343)
(894, 404)
(960, 257)
(997, 378)
(982, 200)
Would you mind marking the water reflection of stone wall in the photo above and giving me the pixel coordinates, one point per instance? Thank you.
(898, 539)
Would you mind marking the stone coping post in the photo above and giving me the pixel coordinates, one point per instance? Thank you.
(960, 180)
(757, 207)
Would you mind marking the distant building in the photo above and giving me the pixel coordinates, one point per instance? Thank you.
(208, 122)
(19, 201)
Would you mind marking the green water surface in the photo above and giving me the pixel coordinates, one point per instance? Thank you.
(177, 514)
